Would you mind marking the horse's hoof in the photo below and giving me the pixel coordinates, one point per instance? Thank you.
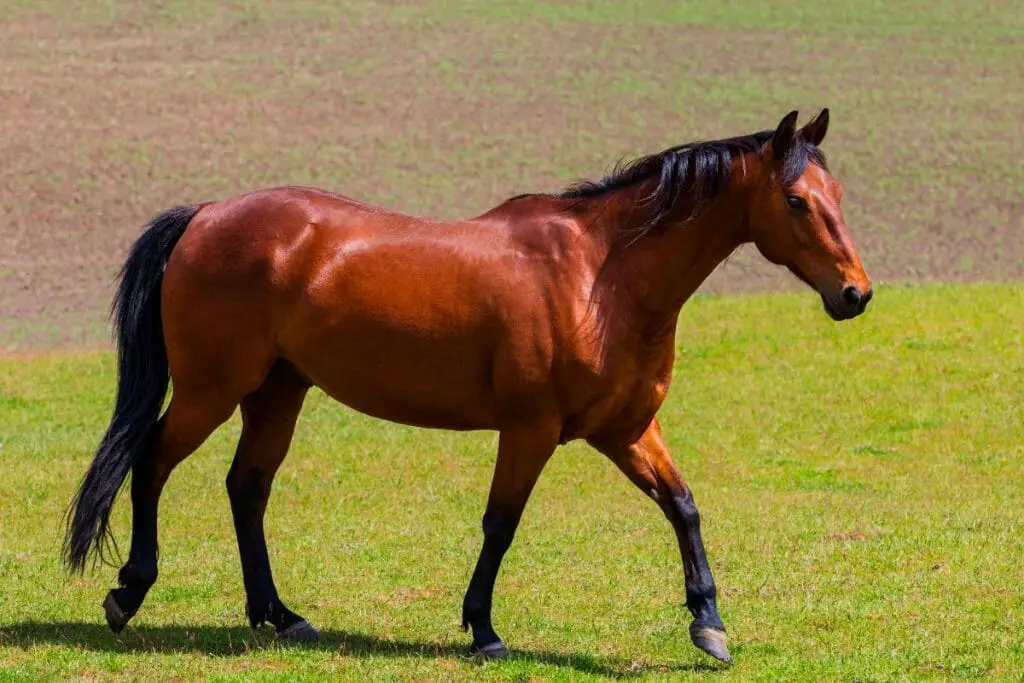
(495, 650)
(299, 632)
(116, 618)
(712, 641)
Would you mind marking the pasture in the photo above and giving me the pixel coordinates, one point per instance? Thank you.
(859, 482)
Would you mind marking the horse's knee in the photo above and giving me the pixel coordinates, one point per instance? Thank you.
(685, 511)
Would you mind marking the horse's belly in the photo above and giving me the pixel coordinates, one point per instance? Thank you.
(401, 375)
(392, 402)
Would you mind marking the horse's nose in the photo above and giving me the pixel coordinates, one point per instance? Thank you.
(855, 299)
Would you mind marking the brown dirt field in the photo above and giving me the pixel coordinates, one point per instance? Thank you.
(113, 113)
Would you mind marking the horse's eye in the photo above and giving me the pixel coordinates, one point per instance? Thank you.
(796, 202)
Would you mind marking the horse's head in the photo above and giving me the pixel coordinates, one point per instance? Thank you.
(796, 220)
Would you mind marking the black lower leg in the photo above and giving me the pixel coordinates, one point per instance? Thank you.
(700, 584)
(249, 493)
(139, 573)
(499, 529)
(706, 631)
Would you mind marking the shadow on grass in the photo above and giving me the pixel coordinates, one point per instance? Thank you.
(236, 641)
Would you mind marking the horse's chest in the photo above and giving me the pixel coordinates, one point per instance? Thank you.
(639, 406)
(623, 399)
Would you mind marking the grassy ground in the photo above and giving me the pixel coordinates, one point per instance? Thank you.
(860, 486)
(114, 111)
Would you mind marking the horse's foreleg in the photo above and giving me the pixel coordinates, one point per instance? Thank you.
(648, 464)
(269, 415)
(522, 454)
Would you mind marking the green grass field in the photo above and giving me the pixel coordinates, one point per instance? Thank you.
(859, 482)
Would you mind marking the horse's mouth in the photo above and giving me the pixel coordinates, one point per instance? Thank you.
(839, 313)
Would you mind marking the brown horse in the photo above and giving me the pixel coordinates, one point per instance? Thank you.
(549, 318)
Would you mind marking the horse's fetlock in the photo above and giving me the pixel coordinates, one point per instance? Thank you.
(260, 615)
(137, 576)
(475, 611)
(700, 600)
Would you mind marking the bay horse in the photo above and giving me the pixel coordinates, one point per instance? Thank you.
(550, 318)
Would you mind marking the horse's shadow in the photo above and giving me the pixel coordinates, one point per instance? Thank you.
(237, 641)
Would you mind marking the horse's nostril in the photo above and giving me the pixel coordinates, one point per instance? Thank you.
(866, 298)
(851, 296)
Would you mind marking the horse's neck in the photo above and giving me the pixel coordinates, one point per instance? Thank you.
(661, 270)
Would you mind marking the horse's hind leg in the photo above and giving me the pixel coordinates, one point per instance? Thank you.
(268, 422)
(189, 420)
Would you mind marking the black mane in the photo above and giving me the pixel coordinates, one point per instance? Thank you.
(698, 170)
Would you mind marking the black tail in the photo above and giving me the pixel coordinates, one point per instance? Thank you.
(143, 379)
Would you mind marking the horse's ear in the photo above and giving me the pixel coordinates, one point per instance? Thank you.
(814, 132)
(784, 136)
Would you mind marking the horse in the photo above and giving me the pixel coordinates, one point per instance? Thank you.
(550, 318)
